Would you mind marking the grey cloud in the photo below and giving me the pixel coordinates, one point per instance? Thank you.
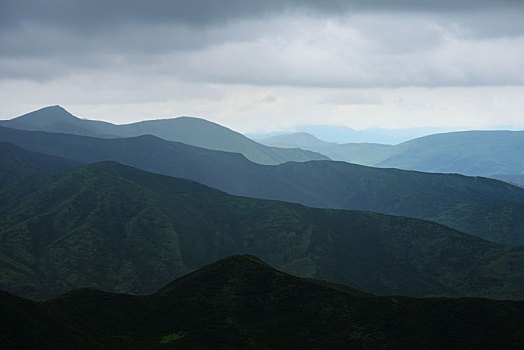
(487, 24)
(232, 42)
(353, 98)
(44, 27)
(34, 40)
(95, 14)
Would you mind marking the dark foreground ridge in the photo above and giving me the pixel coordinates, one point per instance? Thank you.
(242, 303)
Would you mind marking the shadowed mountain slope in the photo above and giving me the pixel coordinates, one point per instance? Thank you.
(514, 179)
(12, 156)
(445, 198)
(242, 303)
(191, 131)
(121, 229)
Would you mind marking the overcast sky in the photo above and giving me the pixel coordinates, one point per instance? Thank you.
(261, 66)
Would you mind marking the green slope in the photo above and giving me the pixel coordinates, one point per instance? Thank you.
(444, 198)
(191, 131)
(242, 303)
(121, 229)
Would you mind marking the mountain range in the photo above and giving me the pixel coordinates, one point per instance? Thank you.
(494, 153)
(123, 222)
(363, 153)
(476, 153)
(343, 134)
(484, 207)
(121, 229)
(191, 131)
(242, 303)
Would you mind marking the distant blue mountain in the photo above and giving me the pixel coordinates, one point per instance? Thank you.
(343, 134)
(478, 153)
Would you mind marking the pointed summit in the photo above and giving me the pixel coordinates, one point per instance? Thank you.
(246, 274)
(224, 271)
(41, 118)
(47, 115)
(58, 120)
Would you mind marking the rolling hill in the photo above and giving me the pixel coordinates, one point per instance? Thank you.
(467, 152)
(191, 131)
(121, 229)
(475, 153)
(242, 303)
(358, 153)
(455, 200)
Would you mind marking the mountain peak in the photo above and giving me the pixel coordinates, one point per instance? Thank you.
(245, 273)
(222, 270)
(54, 107)
(55, 110)
(50, 114)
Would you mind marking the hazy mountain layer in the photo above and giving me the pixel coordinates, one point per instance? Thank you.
(191, 131)
(125, 230)
(358, 153)
(468, 152)
(342, 134)
(242, 303)
(483, 153)
(455, 200)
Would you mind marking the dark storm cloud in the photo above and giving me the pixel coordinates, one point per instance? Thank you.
(35, 27)
(386, 42)
(90, 14)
